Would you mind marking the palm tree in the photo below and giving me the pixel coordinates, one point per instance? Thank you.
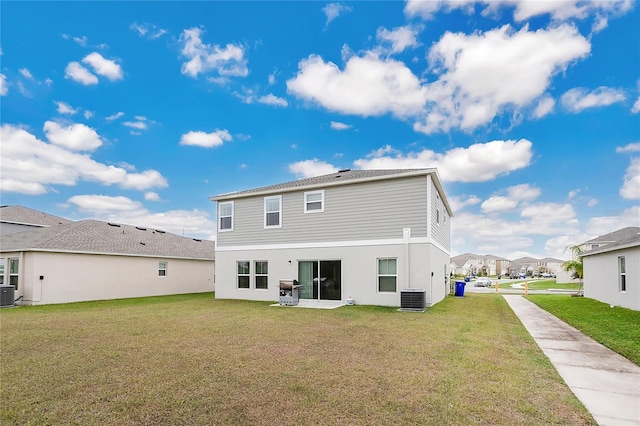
(575, 264)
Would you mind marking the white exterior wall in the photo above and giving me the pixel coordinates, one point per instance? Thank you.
(82, 277)
(601, 277)
(359, 263)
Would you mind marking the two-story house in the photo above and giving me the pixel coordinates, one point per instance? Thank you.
(364, 234)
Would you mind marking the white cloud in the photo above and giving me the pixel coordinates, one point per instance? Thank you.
(631, 187)
(311, 168)
(26, 73)
(636, 106)
(545, 213)
(206, 140)
(592, 202)
(459, 202)
(545, 106)
(82, 41)
(151, 196)
(272, 99)
(368, 86)
(573, 193)
(400, 38)
(88, 114)
(65, 108)
(523, 192)
(631, 147)
(149, 31)
(193, 223)
(4, 87)
(75, 137)
(114, 116)
(135, 124)
(427, 9)
(478, 163)
(78, 73)
(333, 10)
(30, 165)
(336, 125)
(227, 61)
(272, 78)
(612, 221)
(579, 98)
(498, 203)
(104, 67)
(484, 74)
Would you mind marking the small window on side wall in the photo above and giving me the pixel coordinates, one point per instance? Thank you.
(243, 267)
(225, 216)
(387, 275)
(314, 201)
(622, 268)
(162, 269)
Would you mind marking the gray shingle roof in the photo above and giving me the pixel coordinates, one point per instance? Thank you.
(93, 236)
(27, 216)
(631, 241)
(618, 235)
(341, 176)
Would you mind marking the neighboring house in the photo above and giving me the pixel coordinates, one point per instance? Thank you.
(612, 272)
(93, 260)
(18, 219)
(551, 265)
(526, 266)
(365, 234)
(474, 264)
(609, 238)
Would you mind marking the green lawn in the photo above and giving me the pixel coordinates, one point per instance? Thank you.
(617, 328)
(192, 359)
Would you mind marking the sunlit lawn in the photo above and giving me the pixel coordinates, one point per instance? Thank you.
(617, 328)
(194, 360)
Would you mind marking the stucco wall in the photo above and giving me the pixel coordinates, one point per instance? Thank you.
(601, 278)
(359, 270)
(82, 277)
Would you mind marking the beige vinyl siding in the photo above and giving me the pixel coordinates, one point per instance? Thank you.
(440, 232)
(363, 211)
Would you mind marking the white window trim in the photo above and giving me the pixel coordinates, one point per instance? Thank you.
(321, 209)
(256, 275)
(166, 266)
(238, 275)
(266, 199)
(233, 212)
(621, 274)
(378, 275)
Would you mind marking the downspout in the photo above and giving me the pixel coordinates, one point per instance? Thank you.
(406, 236)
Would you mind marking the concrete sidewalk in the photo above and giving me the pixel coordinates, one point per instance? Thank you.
(606, 383)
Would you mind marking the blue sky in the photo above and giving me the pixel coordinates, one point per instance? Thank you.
(137, 112)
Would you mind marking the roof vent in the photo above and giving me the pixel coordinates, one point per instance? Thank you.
(159, 231)
(143, 244)
(113, 224)
(140, 228)
(197, 239)
(344, 170)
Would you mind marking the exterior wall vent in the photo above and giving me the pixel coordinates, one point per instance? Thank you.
(412, 299)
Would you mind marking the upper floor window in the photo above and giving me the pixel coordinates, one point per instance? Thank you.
(273, 212)
(225, 216)
(314, 201)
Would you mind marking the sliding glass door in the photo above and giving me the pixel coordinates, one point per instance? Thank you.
(320, 279)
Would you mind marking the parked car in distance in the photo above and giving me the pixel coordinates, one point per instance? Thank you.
(546, 275)
(482, 282)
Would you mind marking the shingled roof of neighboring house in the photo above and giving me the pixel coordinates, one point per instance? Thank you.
(93, 236)
(342, 177)
(26, 216)
(630, 241)
(618, 235)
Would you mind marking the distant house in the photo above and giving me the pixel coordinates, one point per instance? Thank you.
(18, 219)
(365, 234)
(93, 260)
(612, 271)
(475, 264)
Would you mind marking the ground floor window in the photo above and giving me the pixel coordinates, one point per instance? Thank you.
(387, 275)
(262, 275)
(162, 269)
(243, 267)
(623, 273)
(13, 272)
(1, 271)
